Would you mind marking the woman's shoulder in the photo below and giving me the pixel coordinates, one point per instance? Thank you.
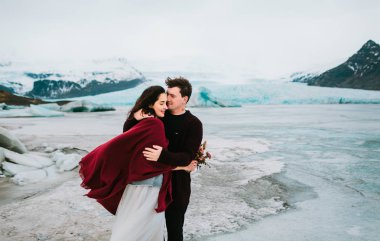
(151, 121)
(146, 125)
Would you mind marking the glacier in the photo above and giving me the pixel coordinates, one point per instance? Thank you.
(266, 92)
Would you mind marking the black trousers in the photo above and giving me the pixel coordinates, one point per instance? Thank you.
(175, 217)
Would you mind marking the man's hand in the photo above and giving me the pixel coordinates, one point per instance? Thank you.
(152, 154)
(192, 166)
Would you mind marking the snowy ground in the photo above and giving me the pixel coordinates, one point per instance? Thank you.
(57, 210)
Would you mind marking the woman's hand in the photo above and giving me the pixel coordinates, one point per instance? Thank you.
(139, 115)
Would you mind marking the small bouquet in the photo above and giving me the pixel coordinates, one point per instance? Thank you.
(201, 156)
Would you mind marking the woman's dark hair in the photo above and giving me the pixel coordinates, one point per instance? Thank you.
(148, 97)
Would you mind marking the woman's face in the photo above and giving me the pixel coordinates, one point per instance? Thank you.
(160, 106)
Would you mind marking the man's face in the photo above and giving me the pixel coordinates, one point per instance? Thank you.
(175, 101)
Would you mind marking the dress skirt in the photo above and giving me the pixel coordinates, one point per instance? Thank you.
(136, 217)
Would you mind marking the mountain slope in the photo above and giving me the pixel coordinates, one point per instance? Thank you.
(70, 80)
(360, 71)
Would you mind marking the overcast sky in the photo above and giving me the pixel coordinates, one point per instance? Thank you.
(266, 38)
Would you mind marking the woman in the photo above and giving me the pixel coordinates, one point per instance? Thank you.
(124, 182)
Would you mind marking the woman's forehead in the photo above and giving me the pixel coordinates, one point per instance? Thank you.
(162, 97)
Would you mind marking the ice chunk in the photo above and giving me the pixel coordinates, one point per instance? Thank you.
(13, 169)
(11, 142)
(23, 178)
(3, 106)
(66, 162)
(2, 156)
(52, 171)
(44, 161)
(21, 159)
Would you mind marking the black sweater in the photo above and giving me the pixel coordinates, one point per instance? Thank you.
(185, 133)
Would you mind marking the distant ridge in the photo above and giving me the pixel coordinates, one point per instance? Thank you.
(360, 71)
(11, 99)
(68, 89)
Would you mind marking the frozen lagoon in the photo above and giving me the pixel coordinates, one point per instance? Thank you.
(280, 172)
(332, 149)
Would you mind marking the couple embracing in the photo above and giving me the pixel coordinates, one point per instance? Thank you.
(143, 175)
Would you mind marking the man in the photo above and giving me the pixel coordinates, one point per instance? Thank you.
(184, 132)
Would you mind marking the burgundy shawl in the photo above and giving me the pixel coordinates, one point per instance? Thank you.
(108, 169)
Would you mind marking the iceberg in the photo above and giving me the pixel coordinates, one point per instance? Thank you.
(15, 113)
(39, 111)
(54, 110)
(50, 106)
(32, 111)
(85, 106)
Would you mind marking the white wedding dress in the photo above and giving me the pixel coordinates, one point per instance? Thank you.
(136, 217)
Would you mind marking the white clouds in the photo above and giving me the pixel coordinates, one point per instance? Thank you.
(264, 37)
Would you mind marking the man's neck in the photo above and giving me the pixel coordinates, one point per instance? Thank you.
(178, 112)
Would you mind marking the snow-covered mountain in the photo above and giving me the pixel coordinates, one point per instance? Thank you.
(360, 71)
(66, 80)
(302, 77)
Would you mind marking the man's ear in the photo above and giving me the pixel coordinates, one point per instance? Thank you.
(186, 98)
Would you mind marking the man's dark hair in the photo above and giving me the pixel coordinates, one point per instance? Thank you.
(183, 84)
